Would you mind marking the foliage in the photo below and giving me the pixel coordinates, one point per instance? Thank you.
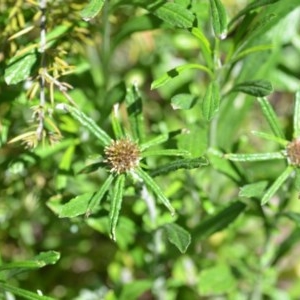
(150, 149)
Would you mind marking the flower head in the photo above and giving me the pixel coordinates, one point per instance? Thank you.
(122, 155)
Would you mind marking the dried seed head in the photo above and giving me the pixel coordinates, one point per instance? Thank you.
(293, 152)
(122, 155)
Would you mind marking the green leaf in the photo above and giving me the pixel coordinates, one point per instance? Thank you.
(96, 200)
(155, 141)
(253, 190)
(251, 50)
(116, 122)
(177, 71)
(219, 18)
(204, 44)
(296, 133)
(271, 117)
(39, 261)
(195, 139)
(172, 13)
(22, 293)
(125, 231)
(211, 101)
(87, 122)
(85, 203)
(19, 68)
(270, 137)
(150, 183)
(294, 216)
(76, 206)
(254, 156)
(116, 204)
(219, 221)
(256, 88)
(216, 280)
(251, 6)
(178, 236)
(276, 185)
(136, 24)
(135, 113)
(166, 152)
(135, 289)
(187, 163)
(92, 9)
(183, 101)
(287, 244)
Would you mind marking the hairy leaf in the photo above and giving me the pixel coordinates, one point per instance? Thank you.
(256, 88)
(92, 9)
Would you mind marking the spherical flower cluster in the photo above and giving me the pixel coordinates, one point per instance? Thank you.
(293, 152)
(122, 155)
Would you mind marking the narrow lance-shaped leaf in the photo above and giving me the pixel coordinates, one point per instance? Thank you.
(155, 141)
(254, 156)
(211, 101)
(286, 245)
(116, 204)
(135, 113)
(85, 203)
(24, 294)
(115, 122)
(178, 236)
(76, 206)
(270, 137)
(166, 152)
(276, 185)
(19, 68)
(87, 122)
(39, 261)
(177, 71)
(183, 101)
(271, 117)
(220, 220)
(253, 190)
(205, 46)
(251, 6)
(155, 189)
(92, 9)
(297, 116)
(219, 18)
(96, 200)
(256, 88)
(187, 163)
(172, 13)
